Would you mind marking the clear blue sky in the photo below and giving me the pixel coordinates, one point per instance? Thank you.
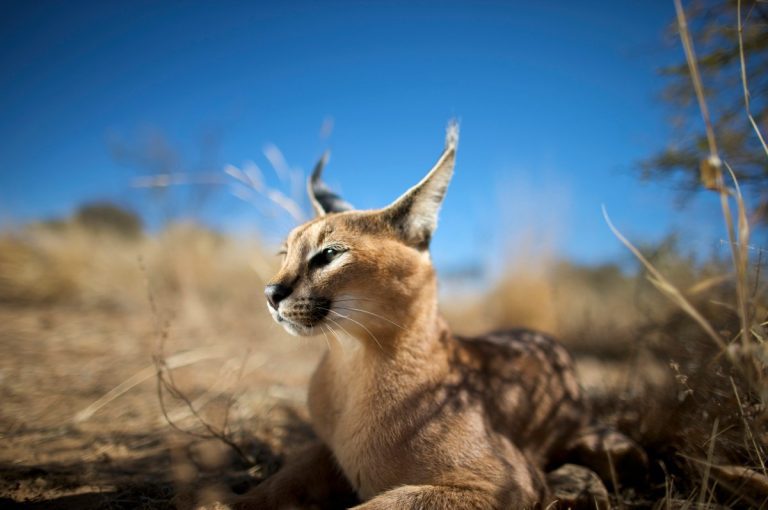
(557, 102)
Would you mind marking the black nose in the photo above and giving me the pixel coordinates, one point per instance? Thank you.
(276, 293)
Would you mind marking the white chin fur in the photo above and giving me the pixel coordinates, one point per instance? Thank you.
(298, 330)
(290, 329)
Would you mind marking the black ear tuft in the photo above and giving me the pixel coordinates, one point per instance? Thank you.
(324, 201)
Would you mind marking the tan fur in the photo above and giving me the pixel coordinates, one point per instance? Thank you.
(407, 414)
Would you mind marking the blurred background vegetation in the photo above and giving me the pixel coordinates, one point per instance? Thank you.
(715, 29)
(87, 300)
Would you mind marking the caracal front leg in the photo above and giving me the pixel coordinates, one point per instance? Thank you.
(437, 497)
(311, 479)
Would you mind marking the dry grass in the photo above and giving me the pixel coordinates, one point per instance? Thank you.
(72, 264)
(81, 426)
(599, 310)
(715, 421)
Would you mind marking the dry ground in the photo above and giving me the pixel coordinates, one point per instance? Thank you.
(57, 361)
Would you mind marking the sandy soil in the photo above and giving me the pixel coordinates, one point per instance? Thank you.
(57, 362)
(64, 445)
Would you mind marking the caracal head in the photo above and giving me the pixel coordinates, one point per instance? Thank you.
(360, 273)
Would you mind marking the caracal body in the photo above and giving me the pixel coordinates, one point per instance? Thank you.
(407, 414)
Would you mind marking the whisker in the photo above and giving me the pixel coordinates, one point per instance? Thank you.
(338, 340)
(327, 342)
(352, 298)
(338, 324)
(353, 320)
(370, 313)
(361, 325)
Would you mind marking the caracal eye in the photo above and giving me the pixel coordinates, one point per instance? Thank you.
(325, 257)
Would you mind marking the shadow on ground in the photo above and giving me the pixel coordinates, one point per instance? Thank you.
(141, 470)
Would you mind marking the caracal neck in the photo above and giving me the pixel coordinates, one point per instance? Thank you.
(416, 333)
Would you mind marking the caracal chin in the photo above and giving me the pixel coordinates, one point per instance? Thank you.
(407, 414)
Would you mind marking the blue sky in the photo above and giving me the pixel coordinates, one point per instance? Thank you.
(557, 102)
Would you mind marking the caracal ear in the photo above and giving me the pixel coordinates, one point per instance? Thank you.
(324, 200)
(414, 214)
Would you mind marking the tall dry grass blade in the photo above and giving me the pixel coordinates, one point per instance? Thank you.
(690, 57)
(166, 383)
(740, 256)
(275, 157)
(758, 451)
(287, 204)
(744, 83)
(666, 287)
(176, 179)
(252, 180)
(707, 284)
(179, 360)
(614, 480)
(742, 262)
(708, 465)
(746, 484)
(748, 487)
(230, 374)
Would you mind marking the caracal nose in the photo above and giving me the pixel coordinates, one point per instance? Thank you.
(276, 293)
